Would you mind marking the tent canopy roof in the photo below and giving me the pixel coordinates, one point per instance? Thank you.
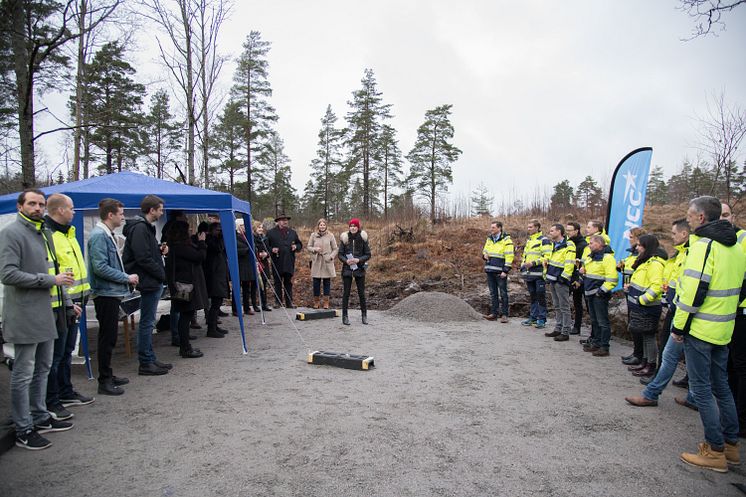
(129, 188)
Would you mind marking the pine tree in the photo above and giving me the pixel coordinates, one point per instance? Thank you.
(114, 100)
(562, 196)
(481, 200)
(367, 114)
(328, 163)
(432, 155)
(390, 158)
(274, 182)
(589, 195)
(228, 143)
(657, 192)
(251, 87)
(162, 137)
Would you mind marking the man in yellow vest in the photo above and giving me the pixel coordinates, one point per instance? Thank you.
(60, 391)
(535, 253)
(707, 298)
(32, 280)
(498, 255)
(737, 346)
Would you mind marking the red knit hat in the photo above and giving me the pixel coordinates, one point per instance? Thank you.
(354, 222)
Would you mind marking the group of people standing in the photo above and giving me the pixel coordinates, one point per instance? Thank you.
(702, 285)
(276, 252)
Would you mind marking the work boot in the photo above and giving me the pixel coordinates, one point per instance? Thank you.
(706, 458)
(731, 453)
(648, 370)
(365, 316)
(643, 364)
(326, 301)
(317, 302)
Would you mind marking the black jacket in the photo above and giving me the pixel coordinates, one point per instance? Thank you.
(245, 271)
(184, 264)
(580, 245)
(357, 245)
(142, 255)
(284, 260)
(216, 268)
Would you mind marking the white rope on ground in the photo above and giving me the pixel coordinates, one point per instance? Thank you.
(277, 297)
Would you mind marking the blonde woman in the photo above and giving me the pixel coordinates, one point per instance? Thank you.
(323, 249)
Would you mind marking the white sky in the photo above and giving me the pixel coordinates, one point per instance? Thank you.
(541, 91)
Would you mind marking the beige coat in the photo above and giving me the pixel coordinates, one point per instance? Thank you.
(322, 262)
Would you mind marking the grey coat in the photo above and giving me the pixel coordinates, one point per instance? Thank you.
(27, 310)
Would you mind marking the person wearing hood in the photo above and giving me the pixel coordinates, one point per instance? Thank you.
(644, 293)
(737, 345)
(599, 280)
(354, 252)
(143, 256)
(707, 299)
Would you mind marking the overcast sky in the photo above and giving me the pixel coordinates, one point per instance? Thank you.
(541, 90)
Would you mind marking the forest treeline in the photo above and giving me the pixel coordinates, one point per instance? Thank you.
(190, 130)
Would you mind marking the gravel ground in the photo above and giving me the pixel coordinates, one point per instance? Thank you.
(451, 409)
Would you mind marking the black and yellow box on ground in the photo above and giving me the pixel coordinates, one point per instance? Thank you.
(341, 360)
(320, 314)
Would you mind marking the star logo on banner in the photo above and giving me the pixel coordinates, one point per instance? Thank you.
(629, 183)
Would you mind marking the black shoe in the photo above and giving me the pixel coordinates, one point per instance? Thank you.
(584, 341)
(257, 309)
(646, 381)
(632, 361)
(52, 425)
(214, 334)
(346, 320)
(627, 357)
(192, 337)
(365, 318)
(195, 325)
(221, 330)
(175, 343)
(221, 313)
(59, 413)
(151, 370)
(119, 380)
(31, 440)
(163, 365)
(218, 321)
(682, 383)
(191, 353)
(76, 399)
(553, 334)
(109, 388)
(575, 331)
(561, 338)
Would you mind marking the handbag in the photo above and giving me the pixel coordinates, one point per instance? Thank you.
(183, 291)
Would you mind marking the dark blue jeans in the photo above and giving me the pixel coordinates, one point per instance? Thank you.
(708, 381)
(59, 384)
(538, 292)
(148, 308)
(317, 283)
(499, 293)
(598, 308)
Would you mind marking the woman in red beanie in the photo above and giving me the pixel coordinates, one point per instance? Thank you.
(354, 252)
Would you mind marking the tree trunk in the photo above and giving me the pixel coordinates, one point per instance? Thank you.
(25, 93)
(248, 137)
(77, 132)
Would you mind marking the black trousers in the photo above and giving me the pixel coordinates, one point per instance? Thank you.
(283, 286)
(185, 317)
(212, 314)
(347, 287)
(248, 296)
(578, 298)
(737, 368)
(107, 314)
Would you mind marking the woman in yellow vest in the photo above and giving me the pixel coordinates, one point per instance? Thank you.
(644, 292)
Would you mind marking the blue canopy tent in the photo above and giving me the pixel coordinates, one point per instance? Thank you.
(129, 188)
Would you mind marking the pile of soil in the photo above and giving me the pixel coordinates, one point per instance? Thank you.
(434, 307)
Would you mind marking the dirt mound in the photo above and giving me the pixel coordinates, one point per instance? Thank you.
(434, 307)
